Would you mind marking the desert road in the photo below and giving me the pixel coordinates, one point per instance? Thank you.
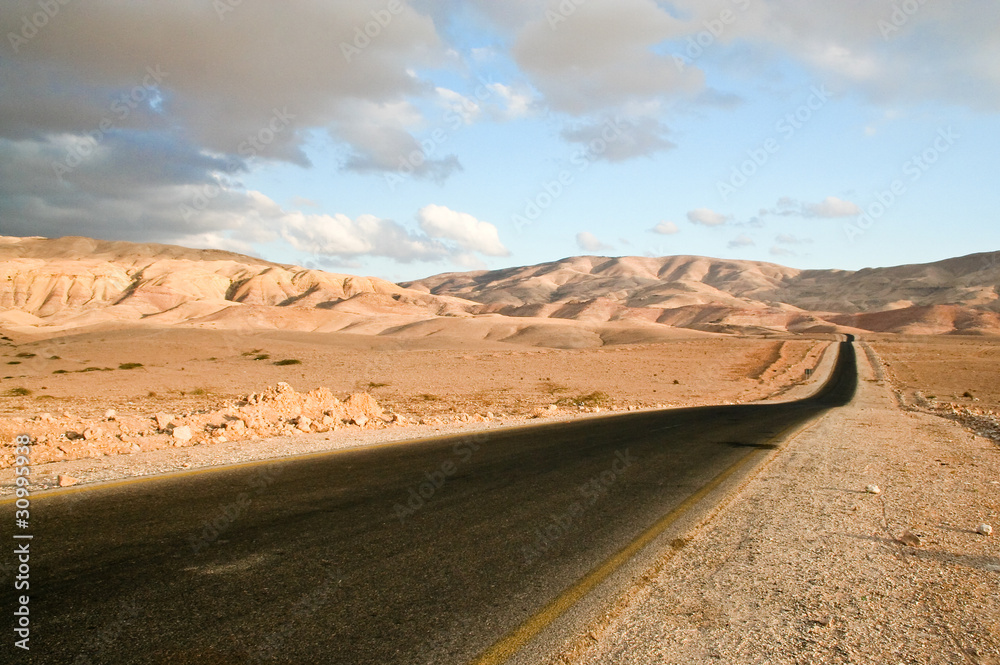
(459, 549)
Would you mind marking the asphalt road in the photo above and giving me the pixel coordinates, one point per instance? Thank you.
(339, 559)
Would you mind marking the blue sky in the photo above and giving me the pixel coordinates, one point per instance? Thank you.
(470, 135)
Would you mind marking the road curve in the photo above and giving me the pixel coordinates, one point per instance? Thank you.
(434, 551)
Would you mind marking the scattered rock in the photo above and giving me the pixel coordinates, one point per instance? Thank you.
(66, 481)
(909, 538)
(873, 489)
(237, 425)
(182, 433)
(110, 414)
(360, 421)
(984, 529)
(303, 423)
(92, 433)
(162, 420)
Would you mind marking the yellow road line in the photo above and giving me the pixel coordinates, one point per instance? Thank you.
(513, 642)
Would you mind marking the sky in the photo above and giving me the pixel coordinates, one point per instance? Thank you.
(404, 139)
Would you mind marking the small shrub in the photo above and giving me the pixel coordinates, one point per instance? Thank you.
(596, 398)
(60, 371)
(373, 384)
(18, 392)
(427, 397)
(25, 354)
(263, 356)
(54, 358)
(198, 391)
(289, 361)
(14, 362)
(130, 366)
(967, 394)
(252, 353)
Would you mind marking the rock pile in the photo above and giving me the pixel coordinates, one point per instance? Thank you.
(275, 411)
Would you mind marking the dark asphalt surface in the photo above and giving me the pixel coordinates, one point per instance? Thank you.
(322, 561)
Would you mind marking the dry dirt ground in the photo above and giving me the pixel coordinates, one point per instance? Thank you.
(178, 388)
(805, 566)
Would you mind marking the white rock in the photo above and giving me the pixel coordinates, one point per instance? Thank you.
(110, 414)
(984, 529)
(873, 489)
(66, 481)
(182, 433)
(360, 421)
(162, 420)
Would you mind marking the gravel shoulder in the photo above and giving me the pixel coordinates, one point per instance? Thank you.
(805, 566)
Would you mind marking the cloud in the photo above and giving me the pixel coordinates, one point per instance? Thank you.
(781, 251)
(601, 56)
(65, 79)
(617, 139)
(741, 241)
(465, 230)
(340, 236)
(665, 228)
(788, 239)
(829, 208)
(588, 242)
(707, 217)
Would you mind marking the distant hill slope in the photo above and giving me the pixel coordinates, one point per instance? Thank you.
(720, 295)
(71, 282)
(53, 285)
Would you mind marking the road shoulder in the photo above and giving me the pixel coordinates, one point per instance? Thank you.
(806, 566)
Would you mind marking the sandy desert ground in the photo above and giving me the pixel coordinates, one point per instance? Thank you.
(196, 377)
(954, 369)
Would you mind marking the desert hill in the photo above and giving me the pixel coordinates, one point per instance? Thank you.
(72, 282)
(49, 286)
(954, 295)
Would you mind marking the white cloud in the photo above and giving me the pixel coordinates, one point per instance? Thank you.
(788, 239)
(588, 242)
(707, 217)
(741, 241)
(781, 251)
(665, 228)
(829, 208)
(465, 230)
